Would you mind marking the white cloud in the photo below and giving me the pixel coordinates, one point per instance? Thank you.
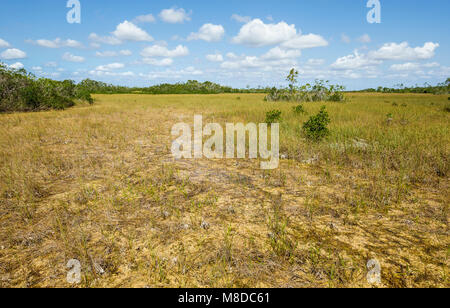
(36, 68)
(125, 52)
(145, 19)
(158, 62)
(278, 53)
(162, 51)
(305, 41)
(273, 60)
(109, 40)
(174, 15)
(110, 67)
(4, 44)
(231, 55)
(72, 58)
(128, 31)
(354, 61)
(98, 73)
(410, 66)
(108, 53)
(13, 53)
(57, 43)
(242, 19)
(257, 34)
(208, 33)
(16, 66)
(365, 39)
(215, 58)
(402, 51)
(172, 74)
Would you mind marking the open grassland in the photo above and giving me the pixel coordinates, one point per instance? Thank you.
(98, 184)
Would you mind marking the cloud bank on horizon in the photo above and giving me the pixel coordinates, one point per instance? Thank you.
(148, 44)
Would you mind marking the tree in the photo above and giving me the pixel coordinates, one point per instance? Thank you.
(292, 78)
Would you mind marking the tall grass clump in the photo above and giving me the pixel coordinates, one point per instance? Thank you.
(320, 91)
(22, 91)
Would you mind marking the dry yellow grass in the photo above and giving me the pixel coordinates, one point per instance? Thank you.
(98, 184)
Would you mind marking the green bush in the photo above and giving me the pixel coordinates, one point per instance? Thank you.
(21, 91)
(316, 128)
(299, 109)
(273, 116)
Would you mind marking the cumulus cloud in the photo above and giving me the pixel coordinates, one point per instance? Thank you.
(172, 74)
(305, 41)
(354, 61)
(109, 40)
(215, 58)
(273, 60)
(111, 74)
(163, 51)
(241, 19)
(402, 51)
(56, 43)
(208, 33)
(127, 31)
(410, 66)
(174, 15)
(258, 34)
(110, 67)
(278, 53)
(16, 66)
(108, 53)
(158, 62)
(72, 58)
(4, 44)
(149, 18)
(13, 53)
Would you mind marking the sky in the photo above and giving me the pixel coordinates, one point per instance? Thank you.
(236, 43)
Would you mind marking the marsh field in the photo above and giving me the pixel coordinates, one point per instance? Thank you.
(99, 184)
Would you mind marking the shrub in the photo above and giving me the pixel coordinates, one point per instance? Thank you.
(273, 116)
(299, 109)
(21, 91)
(315, 128)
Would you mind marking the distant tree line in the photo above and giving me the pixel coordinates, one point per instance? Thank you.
(189, 87)
(441, 88)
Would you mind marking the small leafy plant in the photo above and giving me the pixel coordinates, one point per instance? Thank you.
(316, 128)
(273, 116)
(299, 109)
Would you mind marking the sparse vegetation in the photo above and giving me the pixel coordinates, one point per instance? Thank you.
(98, 185)
(316, 128)
(320, 91)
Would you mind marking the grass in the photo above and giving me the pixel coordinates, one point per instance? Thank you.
(98, 184)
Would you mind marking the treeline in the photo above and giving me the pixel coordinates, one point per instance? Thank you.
(189, 87)
(441, 88)
(22, 91)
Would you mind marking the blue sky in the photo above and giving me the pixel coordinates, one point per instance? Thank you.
(235, 43)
